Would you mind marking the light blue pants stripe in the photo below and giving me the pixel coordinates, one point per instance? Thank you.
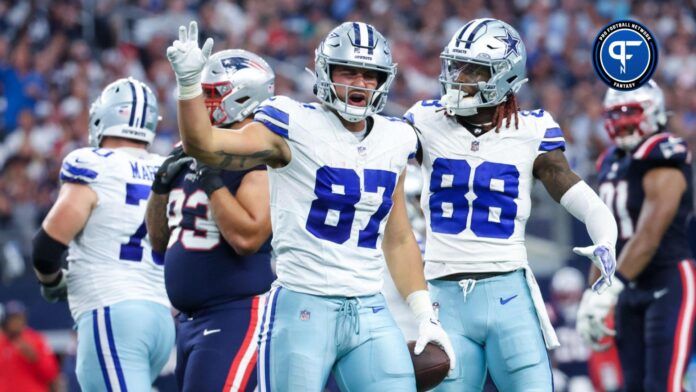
(123, 346)
(305, 337)
(493, 328)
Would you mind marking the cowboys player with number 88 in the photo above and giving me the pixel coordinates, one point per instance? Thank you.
(479, 158)
(336, 173)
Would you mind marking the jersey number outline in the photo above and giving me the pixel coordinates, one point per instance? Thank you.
(338, 191)
(133, 249)
(495, 187)
(615, 196)
(205, 235)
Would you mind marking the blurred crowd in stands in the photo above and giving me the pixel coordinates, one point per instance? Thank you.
(56, 55)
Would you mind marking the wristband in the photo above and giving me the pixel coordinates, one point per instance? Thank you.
(190, 91)
(420, 304)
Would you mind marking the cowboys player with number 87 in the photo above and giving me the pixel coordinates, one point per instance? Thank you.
(336, 173)
(480, 157)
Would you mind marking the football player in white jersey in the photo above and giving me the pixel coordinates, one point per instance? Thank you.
(335, 171)
(113, 277)
(480, 157)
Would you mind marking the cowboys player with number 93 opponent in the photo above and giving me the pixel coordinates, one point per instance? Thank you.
(480, 156)
(114, 284)
(336, 173)
(214, 226)
(646, 180)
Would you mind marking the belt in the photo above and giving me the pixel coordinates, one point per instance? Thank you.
(473, 275)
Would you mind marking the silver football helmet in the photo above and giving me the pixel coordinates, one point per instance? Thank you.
(235, 82)
(487, 44)
(641, 112)
(357, 45)
(126, 108)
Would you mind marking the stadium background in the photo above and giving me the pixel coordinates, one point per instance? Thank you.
(55, 56)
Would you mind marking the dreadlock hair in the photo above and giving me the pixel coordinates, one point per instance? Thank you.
(505, 111)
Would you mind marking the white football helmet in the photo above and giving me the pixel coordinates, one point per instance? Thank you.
(357, 45)
(488, 43)
(630, 116)
(234, 83)
(126, 108)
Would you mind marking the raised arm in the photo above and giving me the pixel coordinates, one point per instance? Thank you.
(250, 146)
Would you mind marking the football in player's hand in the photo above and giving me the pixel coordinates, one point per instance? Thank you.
(431, 366)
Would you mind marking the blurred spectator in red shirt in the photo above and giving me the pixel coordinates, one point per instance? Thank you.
(27, 363)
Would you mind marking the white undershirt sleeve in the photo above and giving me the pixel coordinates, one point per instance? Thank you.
(584, 204)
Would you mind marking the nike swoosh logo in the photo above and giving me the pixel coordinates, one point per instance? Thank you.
(78, 160)
(376, 309)
(207, 331)
(660, 293)
(506, 300)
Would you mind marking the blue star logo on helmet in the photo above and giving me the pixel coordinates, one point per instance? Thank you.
(625, 55)
(510, 43)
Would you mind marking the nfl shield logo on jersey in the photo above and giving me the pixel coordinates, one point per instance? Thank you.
(304, 315)
(475, 145)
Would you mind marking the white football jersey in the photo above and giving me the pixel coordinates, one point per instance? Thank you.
(111, 260)
(330, 204)
(476, 190)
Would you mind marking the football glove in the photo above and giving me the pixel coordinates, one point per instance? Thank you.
(430, 331)
(208, 178)
(602, 257)
(58, 289)
(170, 168)
(592, 315)
(187, 59)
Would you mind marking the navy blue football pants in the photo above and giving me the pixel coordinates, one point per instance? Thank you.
(655, 326)
(217, 347)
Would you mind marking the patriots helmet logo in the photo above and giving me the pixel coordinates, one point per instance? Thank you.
(510, 43)
(237, 63)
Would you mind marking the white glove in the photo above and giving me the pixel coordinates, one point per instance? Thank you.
(429, 328)
(602, 257)
(430, 331)
(592, 315)
(188, 60)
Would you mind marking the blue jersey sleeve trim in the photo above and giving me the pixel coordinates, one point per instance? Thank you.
(75, 171)
(550, 146)
(274, 119)
(273, 127)
(74, 180)
(274, 113)
(553, 132)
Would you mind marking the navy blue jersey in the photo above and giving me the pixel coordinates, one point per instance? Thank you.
(621, 187)
(201, 269)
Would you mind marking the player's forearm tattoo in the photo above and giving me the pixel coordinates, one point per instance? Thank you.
(238, 161)
(554, 172)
